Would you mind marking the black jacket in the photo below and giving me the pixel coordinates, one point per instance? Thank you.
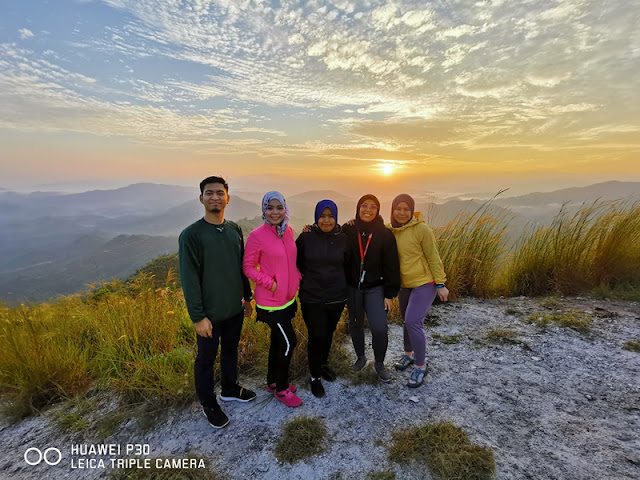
(381, 263)
(322, 258)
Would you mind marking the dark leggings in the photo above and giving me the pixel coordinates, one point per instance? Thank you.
(321, 320)
(283, 341)
(371, 302)
(227, 333)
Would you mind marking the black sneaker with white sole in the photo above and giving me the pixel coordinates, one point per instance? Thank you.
(216, 416)
(238, 394)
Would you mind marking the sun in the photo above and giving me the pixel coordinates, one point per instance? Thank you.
(387, 169)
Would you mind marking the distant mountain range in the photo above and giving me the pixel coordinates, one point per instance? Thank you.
(52, 243)
(87, 260)
(606, 191)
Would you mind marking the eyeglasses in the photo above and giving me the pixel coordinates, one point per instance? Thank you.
(368, 206)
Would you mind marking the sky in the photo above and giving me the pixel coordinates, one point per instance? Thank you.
(449, 95)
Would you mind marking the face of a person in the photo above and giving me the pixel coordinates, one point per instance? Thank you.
(368, 210)
(214, 197)
(326, 222)
(275, 212)
(402, 213)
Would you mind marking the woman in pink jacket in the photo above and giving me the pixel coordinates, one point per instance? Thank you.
(270, 261)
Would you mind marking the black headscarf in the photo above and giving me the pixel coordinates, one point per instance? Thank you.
(373, 224)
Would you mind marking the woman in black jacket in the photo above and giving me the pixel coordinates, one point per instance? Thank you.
(322, 256)
(373, 278)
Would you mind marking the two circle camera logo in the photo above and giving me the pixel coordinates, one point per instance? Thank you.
(34, 456)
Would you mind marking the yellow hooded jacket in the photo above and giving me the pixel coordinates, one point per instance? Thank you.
(420, 261)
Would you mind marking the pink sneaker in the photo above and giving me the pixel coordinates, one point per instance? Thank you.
(271, 388)
(289, 398)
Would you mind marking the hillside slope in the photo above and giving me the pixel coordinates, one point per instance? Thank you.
(550, 403)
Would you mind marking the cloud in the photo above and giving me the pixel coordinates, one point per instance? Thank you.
(25, 33)
(440, 77)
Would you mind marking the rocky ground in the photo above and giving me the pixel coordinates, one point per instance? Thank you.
(551, 404)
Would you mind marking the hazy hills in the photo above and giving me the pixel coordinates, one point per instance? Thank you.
(87, 260)
(52, 243)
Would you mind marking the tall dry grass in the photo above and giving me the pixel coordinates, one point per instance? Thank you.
(597, 245)
(471, 247)
(132, 337)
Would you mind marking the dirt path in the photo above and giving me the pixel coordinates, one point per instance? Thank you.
(552, 404)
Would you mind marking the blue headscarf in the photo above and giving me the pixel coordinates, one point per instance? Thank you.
(282, 226)
(322, 204)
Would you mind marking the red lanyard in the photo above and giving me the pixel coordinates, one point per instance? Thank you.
(363, 254)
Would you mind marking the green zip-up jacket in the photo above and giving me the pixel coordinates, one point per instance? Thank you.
(211, 270)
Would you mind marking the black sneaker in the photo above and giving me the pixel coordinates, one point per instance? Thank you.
(382, 372)
(238, 394)
(316, 388)
(216, 416)
(327, 373)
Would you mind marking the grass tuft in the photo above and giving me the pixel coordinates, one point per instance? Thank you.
(500, 335)
(301, 438)
(384, 475)
(632, 346)
(447, 339)
(580, 321)
(445, 450)
(551, 303)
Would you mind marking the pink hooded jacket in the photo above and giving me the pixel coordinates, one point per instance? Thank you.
(269, 258)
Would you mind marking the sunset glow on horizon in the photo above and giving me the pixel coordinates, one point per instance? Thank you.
(486, 92)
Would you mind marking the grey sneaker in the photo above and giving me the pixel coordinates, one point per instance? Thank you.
(403, 362)
(382, 372)
(417, 377)
(359, 364)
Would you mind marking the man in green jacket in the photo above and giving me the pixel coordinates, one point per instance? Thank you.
(218, 295)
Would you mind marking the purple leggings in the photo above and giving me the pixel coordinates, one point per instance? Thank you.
(414, 306)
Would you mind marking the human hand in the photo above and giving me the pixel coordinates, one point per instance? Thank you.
(388, 303)
(248, 308)
(350, 222)
(274, 286)
(443, 293)
(306, 228)
(204, 328)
